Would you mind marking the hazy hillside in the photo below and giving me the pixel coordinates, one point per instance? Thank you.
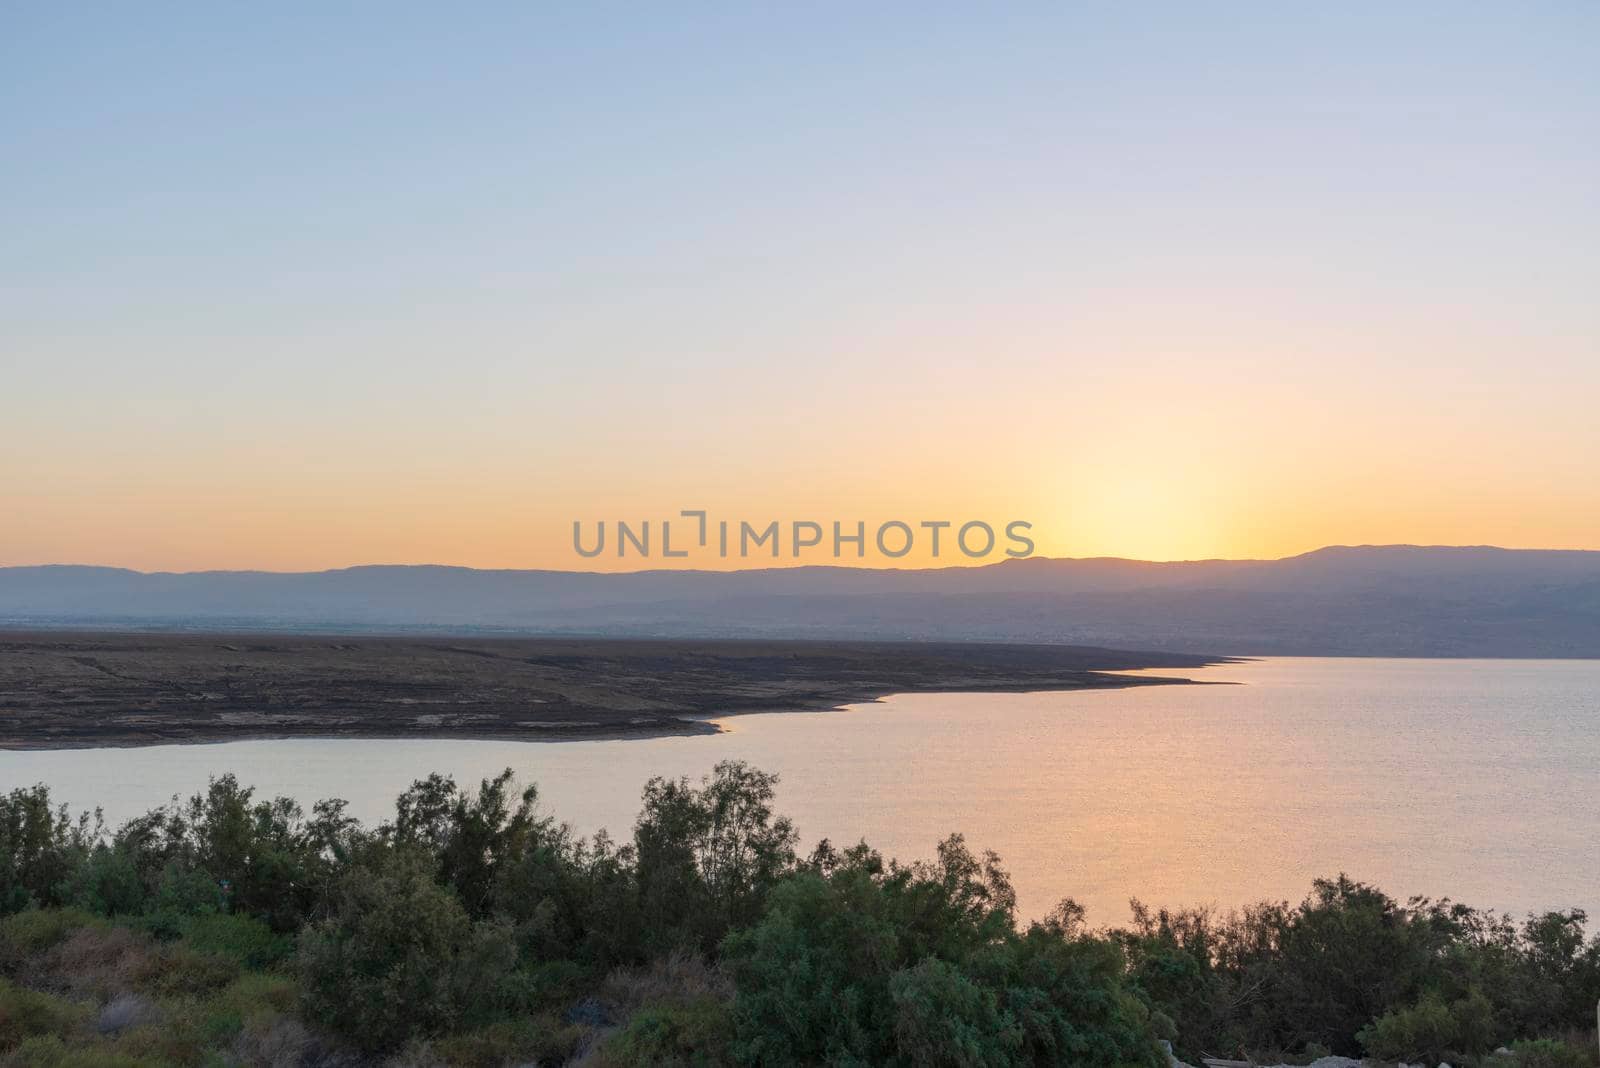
(1375, 600)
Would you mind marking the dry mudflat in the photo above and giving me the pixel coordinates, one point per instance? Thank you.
(64, 689)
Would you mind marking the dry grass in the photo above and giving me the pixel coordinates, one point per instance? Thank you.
(279, 1042)
(95, 961)
(679, 979)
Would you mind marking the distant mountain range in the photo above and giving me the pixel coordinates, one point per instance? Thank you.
(1392, 600)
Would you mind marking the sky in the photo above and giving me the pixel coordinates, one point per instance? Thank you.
(290, 288)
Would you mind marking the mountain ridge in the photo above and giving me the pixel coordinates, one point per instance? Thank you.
(1400, 600)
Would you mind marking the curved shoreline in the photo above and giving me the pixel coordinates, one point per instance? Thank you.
(117, 689)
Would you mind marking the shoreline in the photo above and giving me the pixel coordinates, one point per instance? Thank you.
(90, 690)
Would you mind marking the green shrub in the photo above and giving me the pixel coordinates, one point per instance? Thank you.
(1070, 1000)
(51, 1052)
(35, 930)
(695, 1034)
(1348, 954)
(1556, 1053)
(108, 882)
(181, 971)
(184, 891)
(400, 958)
(553, 982)
(1432, 1030)
(448, 931)
(708, 855)
(242, 939)
(539, 1040)
(1173, 967)
(40, 848)
(27, 1014)
(810, 976)
(1555, 978)
(942, 1018)
(253, 994)
(181, 1033)
(253, 1000)
(861, 963)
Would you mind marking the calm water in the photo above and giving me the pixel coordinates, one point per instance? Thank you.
(1476, 779)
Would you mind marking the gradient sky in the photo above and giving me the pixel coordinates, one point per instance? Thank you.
(286, 288)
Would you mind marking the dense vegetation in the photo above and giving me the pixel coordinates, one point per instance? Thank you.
(474, 929)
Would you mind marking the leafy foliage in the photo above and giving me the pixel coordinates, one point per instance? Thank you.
(475, 929)
(399, 956)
